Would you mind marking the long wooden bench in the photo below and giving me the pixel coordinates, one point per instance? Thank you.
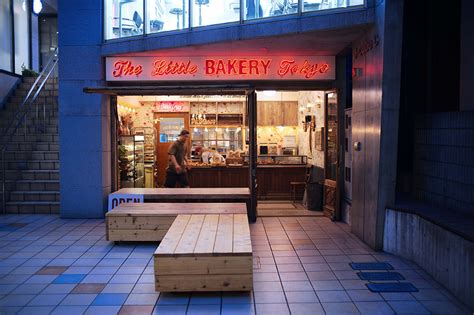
(151, 221)
(205, 252)
(235, 194)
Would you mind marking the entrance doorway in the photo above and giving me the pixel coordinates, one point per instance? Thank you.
(167, 127)
(331, 188)
(272, 142)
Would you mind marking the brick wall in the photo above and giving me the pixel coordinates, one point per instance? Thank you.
(444, 160)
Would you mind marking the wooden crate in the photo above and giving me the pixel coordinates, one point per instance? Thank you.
(211, 252)
(151, 221)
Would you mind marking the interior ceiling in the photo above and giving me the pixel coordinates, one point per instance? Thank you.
(327, 43)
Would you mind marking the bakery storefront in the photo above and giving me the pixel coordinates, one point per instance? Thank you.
(263, 122)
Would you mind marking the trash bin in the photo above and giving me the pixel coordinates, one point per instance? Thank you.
(314, 196)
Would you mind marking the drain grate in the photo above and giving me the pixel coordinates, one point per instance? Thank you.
(391, 287)
(380, 276)
(371, 266)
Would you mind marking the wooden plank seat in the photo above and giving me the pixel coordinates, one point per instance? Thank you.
(151, 221)
(205, 252)
(234, 194)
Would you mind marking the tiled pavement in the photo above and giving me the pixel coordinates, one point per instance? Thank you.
(55, 266)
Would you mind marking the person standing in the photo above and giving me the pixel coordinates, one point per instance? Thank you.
(177, 162)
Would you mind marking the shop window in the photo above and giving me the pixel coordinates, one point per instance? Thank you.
(255, 9)
(123, 18)
(204, 12)
(316, 5)
(166, 15)
(6, 38)
(21, 33)
(170, 129)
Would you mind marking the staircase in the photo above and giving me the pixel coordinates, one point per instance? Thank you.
(32, 157)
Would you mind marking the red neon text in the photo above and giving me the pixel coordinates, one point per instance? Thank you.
(164, 67)
(307, 69)
(123, 68)
(237, 66)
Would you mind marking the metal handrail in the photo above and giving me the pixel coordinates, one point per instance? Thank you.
(20, 115)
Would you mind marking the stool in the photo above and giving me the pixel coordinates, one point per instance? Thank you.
(293, 189)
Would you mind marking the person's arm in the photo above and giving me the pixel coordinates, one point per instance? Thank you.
(175, 163)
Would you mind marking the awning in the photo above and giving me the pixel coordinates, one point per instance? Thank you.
(172, 90)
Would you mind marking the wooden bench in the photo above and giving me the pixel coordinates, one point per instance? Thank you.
(236, 194)
(151, 221)
(205, 252)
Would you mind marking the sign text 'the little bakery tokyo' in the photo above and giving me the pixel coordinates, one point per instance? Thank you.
(220, 68)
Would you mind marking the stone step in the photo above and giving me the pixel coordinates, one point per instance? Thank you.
(10, 112)
(33, 146)
(39, 137)
(32, 207)
(33, 124)
(32, 165)
(37, 185)
(36, 130)
(23, 195)
(31, 174)
(23, 91)
(41, 99)
(35, 155)
(31, 80)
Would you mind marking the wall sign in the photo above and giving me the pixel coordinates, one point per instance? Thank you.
(116, 199)
(167, 106)
(220, 68)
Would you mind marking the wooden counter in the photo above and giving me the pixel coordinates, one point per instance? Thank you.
(273, 180)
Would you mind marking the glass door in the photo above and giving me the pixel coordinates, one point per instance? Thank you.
(331, 152)
(168, 126)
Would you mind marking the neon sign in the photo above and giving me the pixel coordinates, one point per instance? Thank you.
(220, 68)
(167, 106)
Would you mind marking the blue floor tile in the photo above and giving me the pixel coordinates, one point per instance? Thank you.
(110, 299)
(62, 279)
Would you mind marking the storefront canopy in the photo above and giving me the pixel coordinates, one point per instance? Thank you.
(172, 90)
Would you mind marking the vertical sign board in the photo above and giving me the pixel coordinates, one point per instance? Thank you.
(116, 199)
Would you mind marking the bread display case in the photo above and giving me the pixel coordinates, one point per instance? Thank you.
(131, 161)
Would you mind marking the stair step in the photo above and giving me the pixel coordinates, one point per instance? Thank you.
(38, 185)
(39, 137)
(32, 207)
(23, 195)
(33, 146)
(32, 165)
(31, 174)
(30, 154)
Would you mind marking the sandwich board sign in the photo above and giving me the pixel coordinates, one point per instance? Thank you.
(116, 199)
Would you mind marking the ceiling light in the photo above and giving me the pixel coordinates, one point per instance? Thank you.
(37, 6)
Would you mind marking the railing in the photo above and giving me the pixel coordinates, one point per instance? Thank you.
(124, 18)
(20, 115)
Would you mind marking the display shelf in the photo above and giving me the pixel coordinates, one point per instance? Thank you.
(131, 161)
(279, 159)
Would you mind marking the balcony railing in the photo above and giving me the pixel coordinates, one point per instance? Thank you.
(125, 18)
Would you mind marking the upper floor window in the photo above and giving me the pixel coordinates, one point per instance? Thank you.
(125, 18)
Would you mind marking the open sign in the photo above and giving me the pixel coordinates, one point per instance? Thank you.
(116, 199)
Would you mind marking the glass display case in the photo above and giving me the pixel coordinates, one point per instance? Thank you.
(149, 153)
(221, 140)
(279, 159)
(131, 161)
